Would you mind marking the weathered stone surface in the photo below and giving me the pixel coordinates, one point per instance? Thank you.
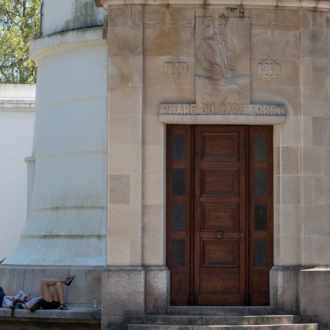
(222, 310)
(285, 289)
(74, 318)
(314, 295)
(123, 295)
(81, 293)
(157, 290)
(227, 80)
(120, 189)
(200, 327)
(222, 320)
(153, 234)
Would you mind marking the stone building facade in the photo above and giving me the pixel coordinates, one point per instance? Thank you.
(185, 156)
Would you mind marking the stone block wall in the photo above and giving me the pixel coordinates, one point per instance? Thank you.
(142, 39)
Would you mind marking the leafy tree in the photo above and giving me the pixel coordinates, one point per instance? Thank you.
(19, 25)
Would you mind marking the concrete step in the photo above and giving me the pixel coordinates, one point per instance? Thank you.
(222, 310)
(307, 326)
(221, 320)
(76, 318)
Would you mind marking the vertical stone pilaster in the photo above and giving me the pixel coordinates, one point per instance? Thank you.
(124, 136)
(315, 105)
(124, 277)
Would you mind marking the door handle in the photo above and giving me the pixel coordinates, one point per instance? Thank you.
(219, 234)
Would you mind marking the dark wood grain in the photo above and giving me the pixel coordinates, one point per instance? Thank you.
(219, 196)
(180, 276)
(219, 172)
(258, 288)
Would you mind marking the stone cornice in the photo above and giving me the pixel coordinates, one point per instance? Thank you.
(66, 40)
(294, 4)
(17, 105)
(221, 120)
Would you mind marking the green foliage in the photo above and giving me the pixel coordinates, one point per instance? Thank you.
(19, 25)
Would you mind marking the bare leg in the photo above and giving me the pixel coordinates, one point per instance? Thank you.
(59, 293)
(45, 291)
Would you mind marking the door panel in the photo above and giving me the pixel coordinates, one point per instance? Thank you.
(219, 214)
(220, 181)
(220, 146)
(219, 217)
(260, 213)
(219, 252)
(178, 212)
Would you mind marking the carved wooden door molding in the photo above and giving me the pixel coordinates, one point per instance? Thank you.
(219, 214)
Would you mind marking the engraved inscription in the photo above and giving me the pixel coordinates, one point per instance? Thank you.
(222, 109)
(222, 72)
(269, 69)
(176, 68)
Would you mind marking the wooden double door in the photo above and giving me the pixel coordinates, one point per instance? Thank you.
(219, 214)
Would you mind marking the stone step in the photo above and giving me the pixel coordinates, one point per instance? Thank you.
(222, 310)
(221, 320)
(76, 318)
(307, 326)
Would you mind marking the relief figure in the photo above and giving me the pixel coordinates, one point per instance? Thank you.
(214, 54)
(217, 77)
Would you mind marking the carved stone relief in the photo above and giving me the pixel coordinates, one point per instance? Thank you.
(222, 60)
(222, 73)
(175, 68)
(269, 69)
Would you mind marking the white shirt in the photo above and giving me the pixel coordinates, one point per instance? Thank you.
(8, 303)
(31, 301)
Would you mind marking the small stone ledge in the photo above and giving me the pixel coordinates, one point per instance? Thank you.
(74, 314)
(66, 41)
(221, 119)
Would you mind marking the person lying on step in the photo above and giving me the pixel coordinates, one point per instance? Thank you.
(47, 299)
(8, 301)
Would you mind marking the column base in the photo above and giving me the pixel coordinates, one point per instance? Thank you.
(284, 289)
(129, 293)
(303, 290)
(315, 296)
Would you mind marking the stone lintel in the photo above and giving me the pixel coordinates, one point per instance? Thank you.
(221, 119)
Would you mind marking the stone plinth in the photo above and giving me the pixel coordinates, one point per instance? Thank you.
(131, 292)
(315, 296)
(76, 318)
(81, 293)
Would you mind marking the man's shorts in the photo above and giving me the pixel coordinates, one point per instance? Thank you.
(2, 295)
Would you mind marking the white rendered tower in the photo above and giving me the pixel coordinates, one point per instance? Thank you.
(66, 218)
